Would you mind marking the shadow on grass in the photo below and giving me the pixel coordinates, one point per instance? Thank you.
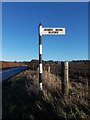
(18, 105)
(15, 100)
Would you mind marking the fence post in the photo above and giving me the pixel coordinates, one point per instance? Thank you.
(64, 78)
(49, 69)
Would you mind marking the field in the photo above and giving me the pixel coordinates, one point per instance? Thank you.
(22, 99)
(8, 64)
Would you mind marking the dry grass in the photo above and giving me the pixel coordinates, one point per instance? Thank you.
(4, 64)
(50, 81)
(51, 106)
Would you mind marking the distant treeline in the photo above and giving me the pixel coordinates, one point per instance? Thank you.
(55, 65)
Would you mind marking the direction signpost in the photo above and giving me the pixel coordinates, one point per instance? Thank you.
(46, 31)
(52, 31)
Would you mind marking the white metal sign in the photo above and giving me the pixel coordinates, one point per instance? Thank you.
(52, 31)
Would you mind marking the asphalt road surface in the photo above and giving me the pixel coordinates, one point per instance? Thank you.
(8, 73)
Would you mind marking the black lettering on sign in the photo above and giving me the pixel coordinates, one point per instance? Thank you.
(59, 29)
(48, 29)
(53, 32)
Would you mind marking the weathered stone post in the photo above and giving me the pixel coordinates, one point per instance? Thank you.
(64, 78)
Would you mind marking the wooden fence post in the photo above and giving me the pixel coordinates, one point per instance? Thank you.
(49, 69)
(64, 78)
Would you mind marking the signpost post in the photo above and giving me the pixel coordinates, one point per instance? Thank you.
(46, 31)
(40, 57)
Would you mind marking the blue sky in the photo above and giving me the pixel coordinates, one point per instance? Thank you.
(20, 31)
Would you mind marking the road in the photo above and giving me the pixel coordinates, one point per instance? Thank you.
(8, 73)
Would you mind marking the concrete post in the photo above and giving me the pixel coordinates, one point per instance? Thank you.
(64, 76)
(49, 69)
